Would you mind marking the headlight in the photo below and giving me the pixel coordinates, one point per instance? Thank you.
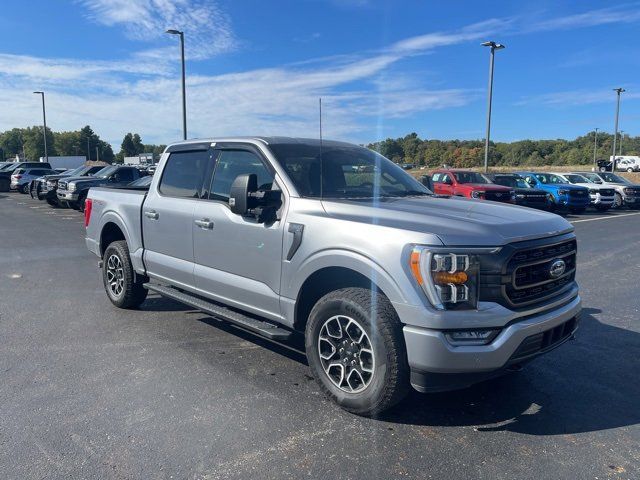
(71, 187)
(563, 192)
(449, 280)
(477, 194)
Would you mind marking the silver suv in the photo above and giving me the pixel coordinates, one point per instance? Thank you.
(390, 285)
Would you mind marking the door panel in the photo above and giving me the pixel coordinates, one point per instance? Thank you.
(167, 217)
(237, 259)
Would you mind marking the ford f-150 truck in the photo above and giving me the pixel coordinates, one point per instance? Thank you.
(627, 194)
(390, 285)
(601, 197)
(470, 184)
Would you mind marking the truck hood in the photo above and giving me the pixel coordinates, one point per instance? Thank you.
(455, 221)
(562, 186)
(84, 179)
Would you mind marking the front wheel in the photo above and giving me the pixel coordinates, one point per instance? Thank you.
(123, 286)
(356, 350)
(617, 201)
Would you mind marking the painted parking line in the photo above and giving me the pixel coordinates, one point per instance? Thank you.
(606, 218)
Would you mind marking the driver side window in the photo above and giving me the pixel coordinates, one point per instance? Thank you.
(232, 163)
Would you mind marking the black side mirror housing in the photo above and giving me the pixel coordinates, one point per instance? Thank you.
(240, 200)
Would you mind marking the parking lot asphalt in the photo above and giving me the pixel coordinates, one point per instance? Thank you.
(90, 391)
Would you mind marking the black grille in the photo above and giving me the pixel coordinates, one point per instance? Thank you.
(520, 274)
(578, 193)
(498, 196)
(535, 198)
(606, 192)
(544, 341)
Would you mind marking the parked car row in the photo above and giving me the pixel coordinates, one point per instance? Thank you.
(552, 191)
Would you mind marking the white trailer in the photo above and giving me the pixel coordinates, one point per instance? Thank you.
(627, 163)
(71, 161)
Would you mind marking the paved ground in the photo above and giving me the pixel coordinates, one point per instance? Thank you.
(89, 391)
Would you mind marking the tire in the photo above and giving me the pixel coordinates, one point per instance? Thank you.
(577, 211)
(387, 381)
(123, 286)
(603, 169)
(551, 204)
(24, 189)
(617, 201)
(52, 202)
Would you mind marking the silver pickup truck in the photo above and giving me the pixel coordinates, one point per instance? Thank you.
(390, 285)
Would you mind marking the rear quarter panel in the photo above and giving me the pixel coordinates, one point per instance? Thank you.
(122, 208)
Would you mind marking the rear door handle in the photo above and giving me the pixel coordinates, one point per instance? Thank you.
(152, 214)
(204, 223)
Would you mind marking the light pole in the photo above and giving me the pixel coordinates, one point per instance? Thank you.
(44, 133)
(494, 46)
(595, 147)
(615, 133)
(88, 150)
(621, 138)
(184, 89)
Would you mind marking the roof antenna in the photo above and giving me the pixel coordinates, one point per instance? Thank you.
(321, 177)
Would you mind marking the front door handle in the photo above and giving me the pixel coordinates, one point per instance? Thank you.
(152, 214)
(204, 223)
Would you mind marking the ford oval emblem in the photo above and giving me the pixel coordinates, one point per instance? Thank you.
(557, 268)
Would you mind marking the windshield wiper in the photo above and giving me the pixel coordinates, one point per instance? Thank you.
(407, 193)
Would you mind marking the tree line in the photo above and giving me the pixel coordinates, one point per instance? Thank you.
(28, 143)
(470, 153)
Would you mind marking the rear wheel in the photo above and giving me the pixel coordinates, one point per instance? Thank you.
(24, 188)
(630, 170)
(123, 286)
(356, 350)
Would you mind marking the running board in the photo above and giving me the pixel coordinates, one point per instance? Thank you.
(259, 327)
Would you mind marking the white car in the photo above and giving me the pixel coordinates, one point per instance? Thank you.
(627, 193)
(602, 198)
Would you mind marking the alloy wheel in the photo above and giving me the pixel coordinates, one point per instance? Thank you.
(346, 354)
(115, 275)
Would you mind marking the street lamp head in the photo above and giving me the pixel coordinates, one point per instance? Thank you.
(174, 32)
(619, 90)
(39, 93)
(494, 45)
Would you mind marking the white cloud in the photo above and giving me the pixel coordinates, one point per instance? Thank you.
(207, 29)
(573, 98)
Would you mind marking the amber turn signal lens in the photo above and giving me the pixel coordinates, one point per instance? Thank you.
(415, 267)
(445, 278)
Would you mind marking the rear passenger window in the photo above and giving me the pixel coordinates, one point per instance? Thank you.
(184, 173)
(232, 163)
(125, 175)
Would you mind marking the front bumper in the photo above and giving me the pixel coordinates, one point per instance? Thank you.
(429, 352)
(67, 196)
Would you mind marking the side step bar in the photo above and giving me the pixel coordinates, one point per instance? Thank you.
(265, 329)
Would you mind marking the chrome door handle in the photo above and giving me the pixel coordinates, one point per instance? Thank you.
(152, 214)
(204, 223)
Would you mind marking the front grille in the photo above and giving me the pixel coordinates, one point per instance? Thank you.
(578, 193)
(606, 192)
(536, 198)
(498, 196)
(544, 341)
(520, 274)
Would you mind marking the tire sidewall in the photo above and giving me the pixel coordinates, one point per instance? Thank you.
(117, 249)
(319, 315)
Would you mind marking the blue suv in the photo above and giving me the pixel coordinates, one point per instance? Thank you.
(563, 195)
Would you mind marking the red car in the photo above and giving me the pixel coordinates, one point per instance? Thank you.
(465, 183)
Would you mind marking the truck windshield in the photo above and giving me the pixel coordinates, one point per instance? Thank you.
(346, 171)
(613, 178)
(470, 177)
(513, 182)
(77, 172)
(549, 178)
(106, 171)
(575, 178)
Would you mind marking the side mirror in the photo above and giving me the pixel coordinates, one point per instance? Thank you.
(239, 196)
(448, 181)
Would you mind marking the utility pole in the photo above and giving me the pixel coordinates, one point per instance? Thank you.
(494, 46)
(97, 156)
(44, 133)
(595, 147)
(615, 134)
(88, 150)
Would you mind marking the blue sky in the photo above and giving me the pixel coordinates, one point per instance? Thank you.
(383, 68)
